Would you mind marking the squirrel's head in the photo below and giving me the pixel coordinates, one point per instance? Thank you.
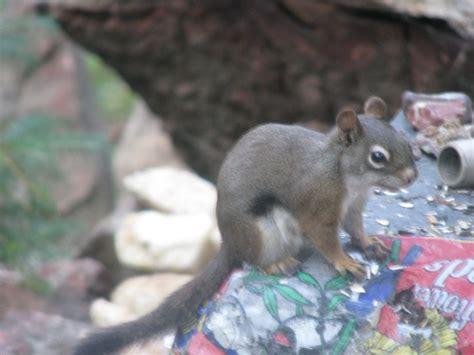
(372, 150)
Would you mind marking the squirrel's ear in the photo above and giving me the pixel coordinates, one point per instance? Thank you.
(349, 125)
(376, 107)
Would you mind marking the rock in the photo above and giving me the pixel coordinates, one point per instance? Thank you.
(75, 276)
(36, 333)
(457, 13)
(143, 144)
(104, 313)
(292, 71)
(8, 276)
(100, 245)
(42, 80)
(425, 110)
(40, 43)
(16, 295)
(151, 240)
(78, 169)
(154, 347)
(142, 294)
(135, 297)
(70, 282)
(171, 190)
(61, 97)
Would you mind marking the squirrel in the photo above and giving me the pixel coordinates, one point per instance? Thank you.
(279, 188)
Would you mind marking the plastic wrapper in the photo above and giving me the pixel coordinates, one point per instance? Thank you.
(420, 300)
(425, 110)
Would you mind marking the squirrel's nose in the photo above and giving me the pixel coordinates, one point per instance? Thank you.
(409, 175)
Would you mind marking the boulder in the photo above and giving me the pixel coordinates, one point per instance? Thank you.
(303, 60)
(172, 190)
(104, 313)
(15, 295)
(143, 144)
(70, 282)
(38, 333)
(135, 297)
(151, 240)
(457, 13)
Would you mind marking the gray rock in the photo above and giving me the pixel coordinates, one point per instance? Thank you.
(35, 333)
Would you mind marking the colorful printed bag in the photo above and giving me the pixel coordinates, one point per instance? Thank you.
(419, 301)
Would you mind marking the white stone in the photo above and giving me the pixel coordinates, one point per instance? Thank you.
(173, 190)
(150, 240)
(142, 294)
(105, 314)
(135, 297)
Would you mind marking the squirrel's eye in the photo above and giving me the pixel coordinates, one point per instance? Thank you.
(378, 156)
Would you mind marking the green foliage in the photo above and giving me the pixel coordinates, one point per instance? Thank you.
(16, 36)
(36, 284)
(29, 149)
(113, 96)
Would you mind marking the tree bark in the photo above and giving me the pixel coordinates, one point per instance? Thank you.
(212, 69)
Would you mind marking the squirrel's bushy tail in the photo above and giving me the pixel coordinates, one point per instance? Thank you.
(176, 310)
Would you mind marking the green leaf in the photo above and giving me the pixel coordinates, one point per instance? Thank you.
(395, 251)
(251, 288)
(255, 276)
(308, 279)
(291, 294)
(299, 310)
(337, 283)
(335, 300)
(344, 338)
(270, 301)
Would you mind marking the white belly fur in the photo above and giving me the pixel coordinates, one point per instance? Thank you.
(354, 190)
(281, 236)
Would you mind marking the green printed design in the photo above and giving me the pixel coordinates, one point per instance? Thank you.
(308, 279)
(395, 252)
(252, 288)
(344, 338)
(334, 301)
(337, 283)
(270, 301)
(256, 276)
(290, 294)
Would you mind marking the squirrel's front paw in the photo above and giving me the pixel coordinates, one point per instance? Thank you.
(286, 267)
(347, 264)
(375, 249)
(372, 247)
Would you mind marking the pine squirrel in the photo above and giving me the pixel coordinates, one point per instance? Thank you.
(279, 188)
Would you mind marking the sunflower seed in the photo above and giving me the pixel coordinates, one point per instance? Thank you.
(396, 267)
(464, 225)
(432, 219)
(357, 288)
(374, 268)
(383, 222)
